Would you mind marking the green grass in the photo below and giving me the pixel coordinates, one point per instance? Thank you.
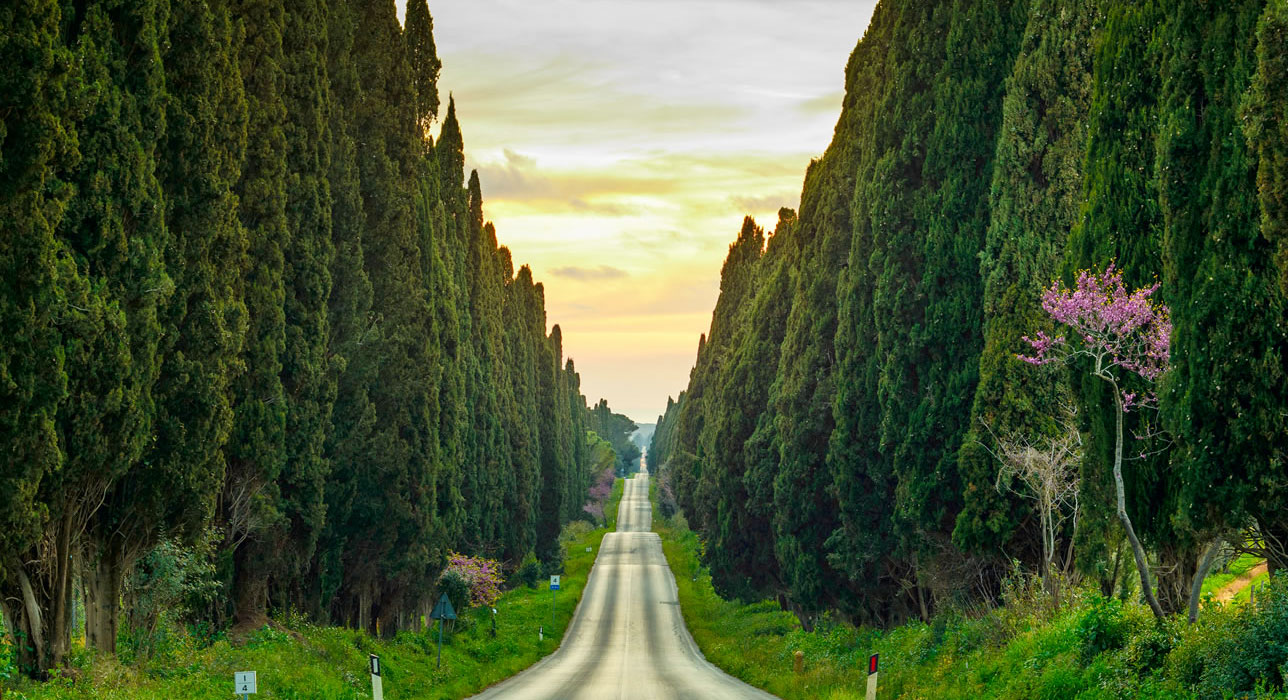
(1237, 568)
(295, 660)
(1091, 649)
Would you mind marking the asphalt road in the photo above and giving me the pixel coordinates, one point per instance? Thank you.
(627, 639)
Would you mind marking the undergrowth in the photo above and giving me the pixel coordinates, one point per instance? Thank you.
(296, 660)
(1091, 649)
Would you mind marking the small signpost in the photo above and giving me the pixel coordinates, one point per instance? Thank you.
(872, 676)
(244, 683)
(442, 611)
(554, 591)
(377, 688)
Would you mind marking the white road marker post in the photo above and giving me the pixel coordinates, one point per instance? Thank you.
(245, 684)
(377, 687)
(872, 676)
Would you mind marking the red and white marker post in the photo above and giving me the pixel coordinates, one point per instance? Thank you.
(872, 676)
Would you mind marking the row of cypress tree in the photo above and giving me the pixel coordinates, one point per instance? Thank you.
(248, 300)
(834, 447)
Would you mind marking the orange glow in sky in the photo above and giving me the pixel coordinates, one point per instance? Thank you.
(619, 145)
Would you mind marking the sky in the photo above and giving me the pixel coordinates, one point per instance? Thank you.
(619, 145)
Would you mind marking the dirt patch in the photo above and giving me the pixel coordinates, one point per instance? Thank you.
(1227, 592)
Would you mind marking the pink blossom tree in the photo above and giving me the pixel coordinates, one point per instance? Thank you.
(1121, 333)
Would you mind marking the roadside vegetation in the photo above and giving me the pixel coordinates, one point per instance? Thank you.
(1024, 648)
(297, 659)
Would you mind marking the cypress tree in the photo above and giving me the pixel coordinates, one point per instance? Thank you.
(256, 450)
(115, 232)
(1120, 222)
(1037, 180)
(309, 253)
(399, 487)
(423, 57)
(1224, 396)
(205, 320)
(525, 324)
(37, 146)
(351, 342)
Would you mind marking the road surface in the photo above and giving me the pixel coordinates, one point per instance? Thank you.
(627, 639)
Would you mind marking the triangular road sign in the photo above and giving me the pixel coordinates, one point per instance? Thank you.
(443, 610)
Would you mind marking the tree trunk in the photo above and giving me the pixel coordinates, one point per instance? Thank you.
(1205, 565)
(103, 597)
(61, 579)
(38, 658)
(1178, 565)
(1138, 551)
(250, 590)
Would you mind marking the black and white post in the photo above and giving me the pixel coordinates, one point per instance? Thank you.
(377, 689)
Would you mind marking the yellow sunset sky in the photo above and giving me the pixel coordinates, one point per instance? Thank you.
(620, 144)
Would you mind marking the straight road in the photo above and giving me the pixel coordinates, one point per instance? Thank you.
(627, 639)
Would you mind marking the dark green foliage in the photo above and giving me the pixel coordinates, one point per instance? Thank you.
(617, 430)
(984, 149)
(244, 297)
(256, 449)
(1266, 126)
(1037, 180)
(1225, 395)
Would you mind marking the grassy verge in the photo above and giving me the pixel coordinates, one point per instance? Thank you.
(1092, 648)
(295, 660)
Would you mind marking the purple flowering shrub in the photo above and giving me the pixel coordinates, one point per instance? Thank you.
(599, 494)
(483, 576)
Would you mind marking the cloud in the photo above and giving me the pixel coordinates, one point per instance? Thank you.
(769, 202)
(589, 274)
(828, 104)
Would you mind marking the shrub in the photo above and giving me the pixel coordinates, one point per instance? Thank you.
(529, 572)
(554, 565)
(482, 579)
(454, 584)
(1102, 627)
(1252, 654)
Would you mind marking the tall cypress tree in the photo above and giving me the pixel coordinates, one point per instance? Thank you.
(256, 450)
(205, 321)
(37, 145)
(423, 57)
(400, 486)
(1037, 180)
(309, 253)
(351, 342)
(1225, 393)
(115, 231)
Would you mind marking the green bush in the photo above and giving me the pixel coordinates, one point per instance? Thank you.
(457, 588)
(1102, 627)
(1252, 654)
(529, 572)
